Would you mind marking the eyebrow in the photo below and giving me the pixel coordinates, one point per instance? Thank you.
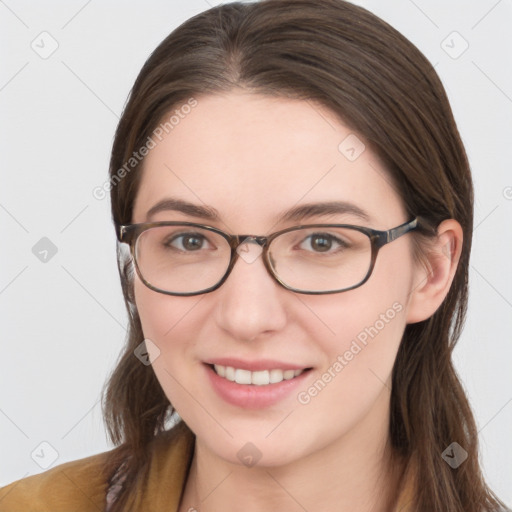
(303, 211)
(297, 213)
(178, 205)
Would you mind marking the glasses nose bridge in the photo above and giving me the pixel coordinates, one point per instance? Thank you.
(262, 241)
(238, 251)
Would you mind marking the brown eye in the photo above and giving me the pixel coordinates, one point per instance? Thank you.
(321, 242)
(188, 242)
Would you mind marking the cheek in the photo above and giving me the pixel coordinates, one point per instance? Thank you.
(370, 317)
(160, 314)
(355, 377)
(165, 321)
(359, 340)
(358, 333)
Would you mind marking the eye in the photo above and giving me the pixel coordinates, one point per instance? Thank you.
(189, 242)
(322, 242)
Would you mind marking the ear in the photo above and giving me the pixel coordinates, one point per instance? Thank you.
(434, 274)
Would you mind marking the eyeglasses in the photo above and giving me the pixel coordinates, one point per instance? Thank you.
(185, 258)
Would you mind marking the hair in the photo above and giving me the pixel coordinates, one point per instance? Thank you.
(346, 59)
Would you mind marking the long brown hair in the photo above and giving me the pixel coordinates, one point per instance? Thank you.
(348, 60)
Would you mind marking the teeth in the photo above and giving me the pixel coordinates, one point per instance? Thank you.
(243, 376)
(276, 376)
(261, 378)
(230, 373)
(289, 374)
(258, 378)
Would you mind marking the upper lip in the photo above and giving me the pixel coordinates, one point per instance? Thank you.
(255, 365)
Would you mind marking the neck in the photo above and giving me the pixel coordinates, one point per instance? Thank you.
(355, 473)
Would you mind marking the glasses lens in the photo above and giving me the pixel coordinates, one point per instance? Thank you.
(321, 259)
(181, 259)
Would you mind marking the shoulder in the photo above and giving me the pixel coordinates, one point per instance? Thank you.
(82, 485)
(78, 485)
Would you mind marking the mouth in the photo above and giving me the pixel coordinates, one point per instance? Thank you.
(256, 378)
(264, 385)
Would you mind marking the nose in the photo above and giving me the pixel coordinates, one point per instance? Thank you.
(250, 303)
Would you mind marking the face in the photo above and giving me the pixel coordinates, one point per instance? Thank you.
(252, 158)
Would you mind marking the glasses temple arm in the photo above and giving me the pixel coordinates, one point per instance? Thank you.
(397, 232)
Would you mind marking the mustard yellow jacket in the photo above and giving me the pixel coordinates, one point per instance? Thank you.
(80, 486)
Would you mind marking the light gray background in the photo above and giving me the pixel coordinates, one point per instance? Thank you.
(63, 321)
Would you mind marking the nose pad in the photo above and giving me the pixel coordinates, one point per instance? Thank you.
(250, 249)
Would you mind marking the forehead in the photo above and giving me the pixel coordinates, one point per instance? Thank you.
(251, 157)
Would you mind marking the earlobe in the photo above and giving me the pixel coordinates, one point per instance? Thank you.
(434, 275)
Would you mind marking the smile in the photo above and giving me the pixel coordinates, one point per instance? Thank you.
(257, 378)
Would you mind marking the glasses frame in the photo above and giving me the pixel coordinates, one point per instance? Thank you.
(129, 234)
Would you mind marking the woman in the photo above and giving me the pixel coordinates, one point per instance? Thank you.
(297, 202)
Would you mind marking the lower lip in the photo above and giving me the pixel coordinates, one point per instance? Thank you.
(250, 396)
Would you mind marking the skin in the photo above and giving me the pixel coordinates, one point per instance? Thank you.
(251, 157)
